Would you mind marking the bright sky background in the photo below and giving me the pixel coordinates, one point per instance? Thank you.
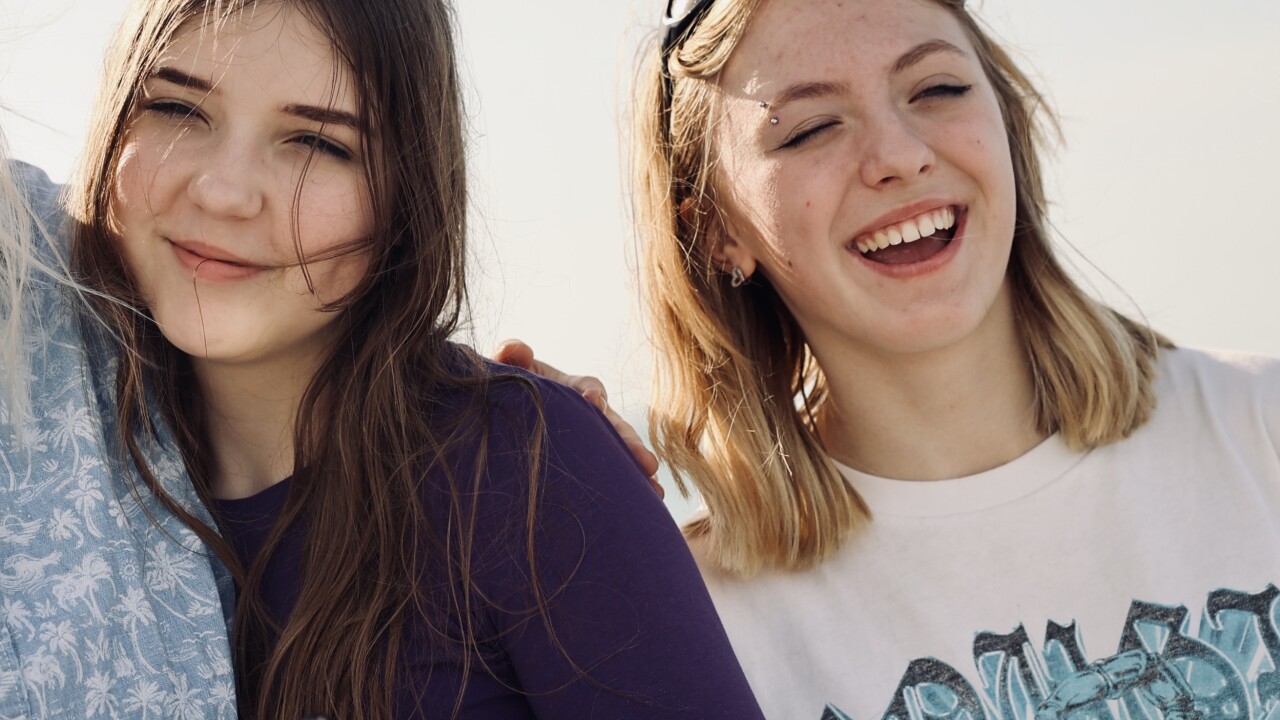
(1167, 185)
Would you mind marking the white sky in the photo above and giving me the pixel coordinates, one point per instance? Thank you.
(1166, 185)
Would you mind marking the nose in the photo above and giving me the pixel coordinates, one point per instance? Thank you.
(893, 151)
(227, 184)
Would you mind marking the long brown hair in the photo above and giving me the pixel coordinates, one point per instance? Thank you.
(736, 388)
(362, 440)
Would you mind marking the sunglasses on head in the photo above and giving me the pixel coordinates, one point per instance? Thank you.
(679, 20)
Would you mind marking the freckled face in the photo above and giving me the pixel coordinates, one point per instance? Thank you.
(885, 124)
(212, 202)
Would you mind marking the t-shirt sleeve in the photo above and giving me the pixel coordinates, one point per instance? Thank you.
(629, 629)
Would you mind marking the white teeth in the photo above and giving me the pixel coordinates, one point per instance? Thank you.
(908, 231)
(925, 222)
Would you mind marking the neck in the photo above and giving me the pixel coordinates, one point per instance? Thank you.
(946, 413)
(250, 411)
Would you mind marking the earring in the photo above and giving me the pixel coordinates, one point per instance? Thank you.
(736, 277)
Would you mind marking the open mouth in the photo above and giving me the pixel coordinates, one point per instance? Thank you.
(913, 240)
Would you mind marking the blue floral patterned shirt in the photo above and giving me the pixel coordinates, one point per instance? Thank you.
(109, 606)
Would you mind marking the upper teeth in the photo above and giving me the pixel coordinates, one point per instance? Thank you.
(907, 231)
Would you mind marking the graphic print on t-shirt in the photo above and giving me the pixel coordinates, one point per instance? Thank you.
(1229, 671)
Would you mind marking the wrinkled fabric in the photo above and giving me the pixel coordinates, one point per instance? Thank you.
(110, 607)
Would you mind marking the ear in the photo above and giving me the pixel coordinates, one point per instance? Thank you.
(727, 252)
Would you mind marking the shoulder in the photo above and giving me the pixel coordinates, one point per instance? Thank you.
(41, 201)
(520, 415)
(1218, 374)
(518, 402)
(1237, 392)
(41, 194)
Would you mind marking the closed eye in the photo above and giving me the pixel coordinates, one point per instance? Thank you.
(805, 134)
(175, 109)
(320, 144)
(943, 90)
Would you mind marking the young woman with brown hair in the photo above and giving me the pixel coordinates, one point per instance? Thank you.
(273, 212)
(912, 430)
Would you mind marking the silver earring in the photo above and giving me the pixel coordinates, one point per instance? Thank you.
(736, 277)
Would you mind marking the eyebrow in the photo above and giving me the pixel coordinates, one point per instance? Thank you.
(324, 116)
(807, 91)
(177, 77)
(918, 53)
(313, 113)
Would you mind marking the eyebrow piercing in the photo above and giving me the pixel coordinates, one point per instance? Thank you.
(764, 105)
(773, 121)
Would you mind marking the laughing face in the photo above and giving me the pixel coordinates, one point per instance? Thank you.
(865, 171)
(243, 156)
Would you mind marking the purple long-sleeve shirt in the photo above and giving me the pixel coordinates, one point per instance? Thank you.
(626, 601)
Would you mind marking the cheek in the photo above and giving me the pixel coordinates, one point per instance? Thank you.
(332, 219)
(1003, 190)
(129, 189)
(332, 211)
(982, 153)
(146, 181)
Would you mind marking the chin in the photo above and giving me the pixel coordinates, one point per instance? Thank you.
(938, 330)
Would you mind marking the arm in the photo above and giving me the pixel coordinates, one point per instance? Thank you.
(625, 602)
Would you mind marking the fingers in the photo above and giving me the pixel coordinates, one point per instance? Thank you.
(518, 354)
(644, 457)
(657, 487)
(514, 352)
(593, 390)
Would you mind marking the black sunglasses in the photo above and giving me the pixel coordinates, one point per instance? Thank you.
(679, 20)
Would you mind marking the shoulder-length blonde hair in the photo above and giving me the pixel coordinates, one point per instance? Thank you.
(736, 386)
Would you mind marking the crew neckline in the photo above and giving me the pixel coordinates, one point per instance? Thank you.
(1037, 468)
(270, 497)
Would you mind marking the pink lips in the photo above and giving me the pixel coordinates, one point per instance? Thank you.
(928, 265)
(205, 262)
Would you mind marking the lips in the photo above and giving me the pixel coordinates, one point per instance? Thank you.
(206, 262)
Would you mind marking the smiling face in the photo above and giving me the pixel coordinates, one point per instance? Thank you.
(865, 170)
(243, 153)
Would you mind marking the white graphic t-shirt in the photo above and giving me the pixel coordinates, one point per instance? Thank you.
(1136, 581)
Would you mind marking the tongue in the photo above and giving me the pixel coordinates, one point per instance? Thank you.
(908, 253)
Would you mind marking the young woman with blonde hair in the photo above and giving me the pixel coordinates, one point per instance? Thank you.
(940, 480)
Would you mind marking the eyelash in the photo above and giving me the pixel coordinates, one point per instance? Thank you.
(943, 91)
(934, 92)
(322, 145)
(182, 111)
(171, 109)
(804, 136)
